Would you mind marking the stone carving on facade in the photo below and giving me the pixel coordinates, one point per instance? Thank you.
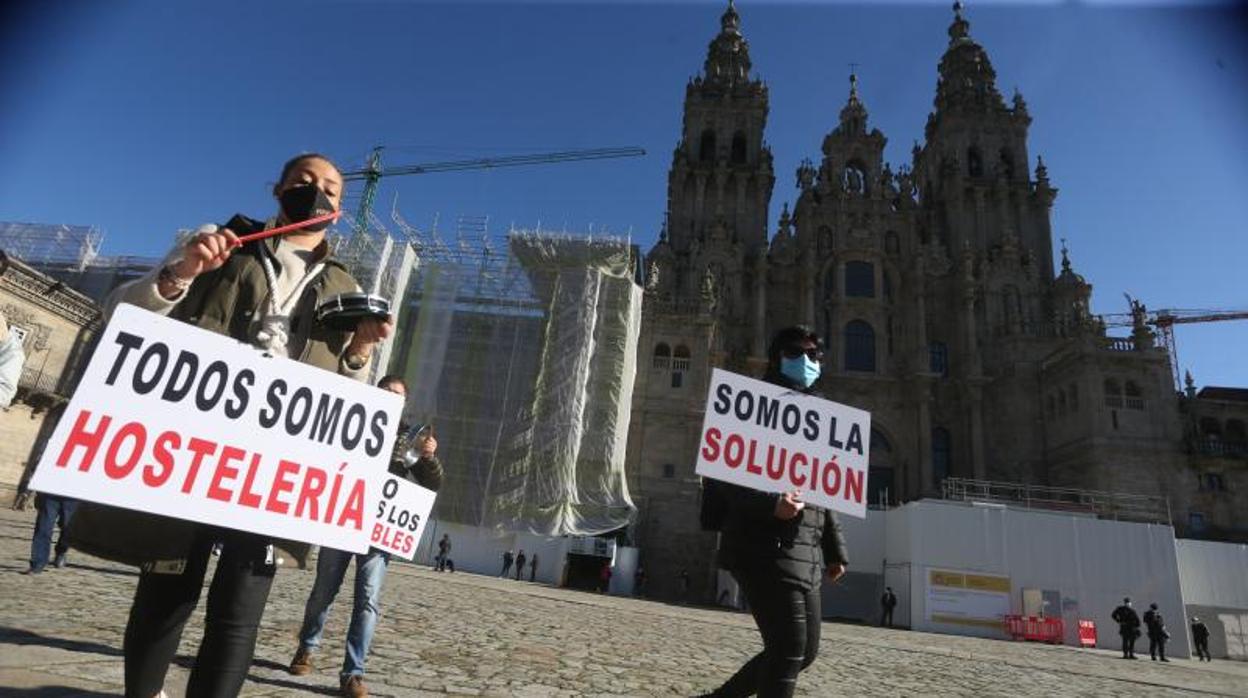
(37, 333)
(710, 287)
(805, 175)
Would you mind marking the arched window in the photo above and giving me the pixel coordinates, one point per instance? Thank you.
(706, 153)
(825, 238)
(855, 178)
(1007, 163)
(1210, 428)
(942, 455)
(880, 486)
(859, 279)
(879, 442)
(859, 346)
(1134, 399)
(1235, 432)
(1113, 393)
(974, 163)
(1011, 309)
(738, 148)
(662, 356)
(680, 358)
(892, 243)
(938, 358)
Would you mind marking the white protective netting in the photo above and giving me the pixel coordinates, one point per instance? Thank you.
(523, 359)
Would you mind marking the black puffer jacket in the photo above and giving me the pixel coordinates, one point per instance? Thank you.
(796, 551)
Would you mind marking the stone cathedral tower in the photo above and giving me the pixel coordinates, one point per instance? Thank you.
(704, 300)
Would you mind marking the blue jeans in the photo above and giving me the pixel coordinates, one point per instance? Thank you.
(51, 509)
(331, 567)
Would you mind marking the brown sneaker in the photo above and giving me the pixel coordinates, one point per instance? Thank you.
(302, 663)
(353, 686)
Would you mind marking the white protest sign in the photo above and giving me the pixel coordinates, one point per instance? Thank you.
(769, 438)
(401, 516)
(174, 420)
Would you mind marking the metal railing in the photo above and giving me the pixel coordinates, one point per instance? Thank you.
(1119, 344)
(37, 381)
(1218, 447)
(1105, 505)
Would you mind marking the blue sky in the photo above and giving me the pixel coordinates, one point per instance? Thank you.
(146, 117)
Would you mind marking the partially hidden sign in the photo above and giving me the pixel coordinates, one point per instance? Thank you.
(174, 420)
(401, 516)
(769, 438)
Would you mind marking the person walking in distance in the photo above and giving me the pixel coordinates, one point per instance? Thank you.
(507, 560)
(887, 603)
(370, 569)
(520, 560)
(444, 551)
(1200, 638)
(533, 567)
(1157, 633)
(604, 577)
(779, 549)
(1128, 627)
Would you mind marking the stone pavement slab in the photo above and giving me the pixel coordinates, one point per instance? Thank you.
(461, 634)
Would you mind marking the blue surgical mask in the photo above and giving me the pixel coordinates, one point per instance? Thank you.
(801, 370)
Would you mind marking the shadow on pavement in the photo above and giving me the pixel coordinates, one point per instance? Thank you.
(17, 636)
(125, 572)
(284, 683)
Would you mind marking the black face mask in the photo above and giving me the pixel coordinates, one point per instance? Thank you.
(306, 201)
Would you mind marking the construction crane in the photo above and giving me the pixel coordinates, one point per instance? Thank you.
(373, 171)
(1164, 322)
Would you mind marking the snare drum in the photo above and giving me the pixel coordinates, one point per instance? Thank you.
(344, 311)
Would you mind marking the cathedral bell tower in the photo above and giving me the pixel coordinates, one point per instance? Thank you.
(714, 244)
(974, 169)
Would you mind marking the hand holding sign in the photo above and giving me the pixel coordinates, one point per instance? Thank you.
(790, 505)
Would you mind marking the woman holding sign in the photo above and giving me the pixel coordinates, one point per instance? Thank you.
(245, 281)
(778, 549)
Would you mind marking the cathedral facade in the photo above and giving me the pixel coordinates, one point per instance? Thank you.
(934, 287)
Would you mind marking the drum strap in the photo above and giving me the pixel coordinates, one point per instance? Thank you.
(274, 332)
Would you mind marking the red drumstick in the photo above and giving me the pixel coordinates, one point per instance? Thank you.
(290, 228)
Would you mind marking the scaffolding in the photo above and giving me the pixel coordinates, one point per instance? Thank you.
(72, 255)
(520, 351)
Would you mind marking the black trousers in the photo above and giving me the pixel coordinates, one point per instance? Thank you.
(789, 619)
(1128, 643)
(1157, 646)
(887, 619)
(163, 603)
(1202, 650)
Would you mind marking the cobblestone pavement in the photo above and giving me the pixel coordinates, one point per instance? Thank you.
(60, 635)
